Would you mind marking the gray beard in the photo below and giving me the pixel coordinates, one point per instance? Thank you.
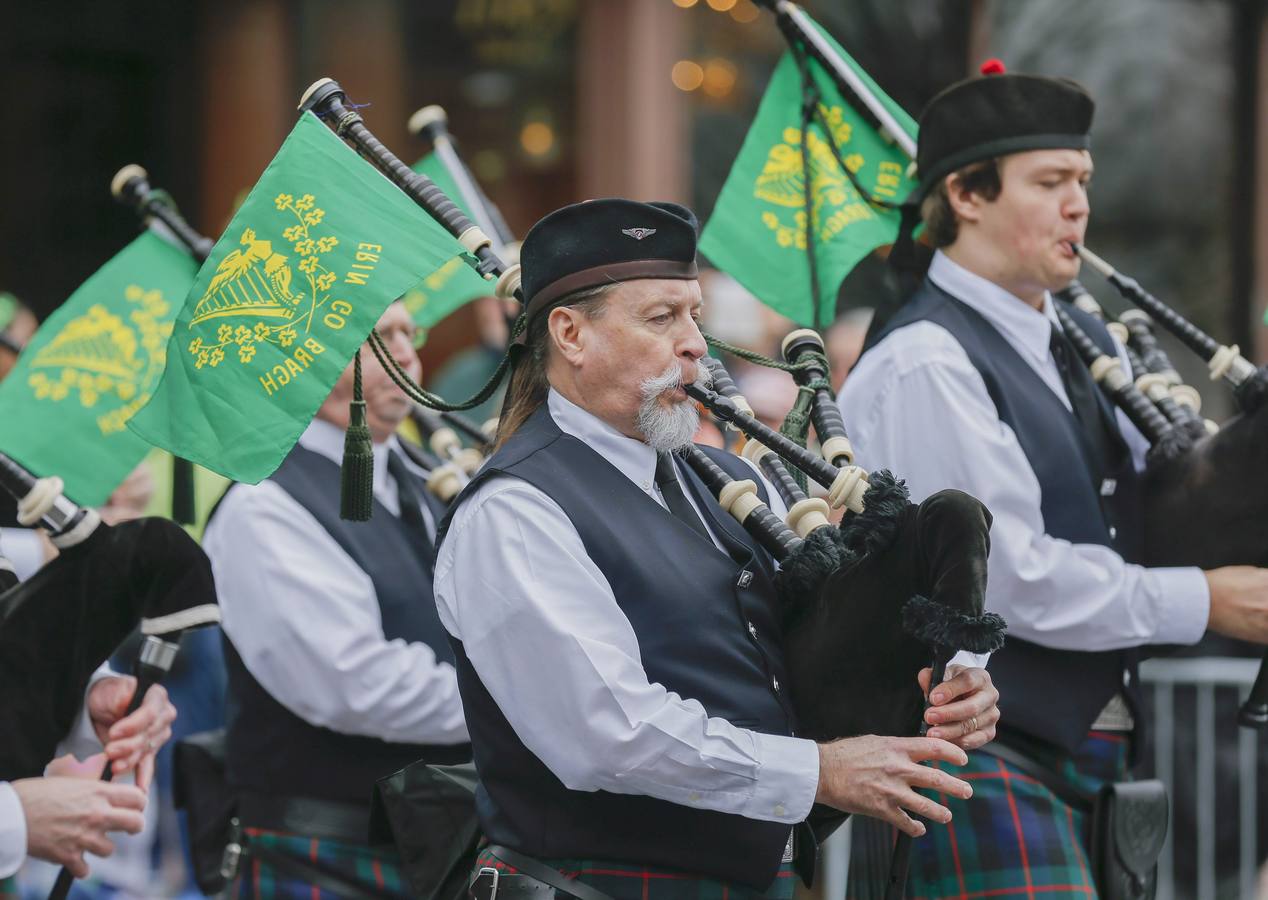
(671, 427)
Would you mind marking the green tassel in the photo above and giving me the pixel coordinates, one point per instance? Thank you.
(356, 483)
(797, 427)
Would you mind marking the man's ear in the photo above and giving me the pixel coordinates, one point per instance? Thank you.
(967, 205)
(567, 332)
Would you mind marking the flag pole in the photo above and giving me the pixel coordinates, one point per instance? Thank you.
(796, 25)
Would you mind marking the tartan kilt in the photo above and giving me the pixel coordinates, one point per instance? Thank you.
(375, 869)
(625, 881)
(1012, 838)
(8, 889)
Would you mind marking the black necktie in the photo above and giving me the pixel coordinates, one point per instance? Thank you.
(1081, 390)
(675, 499)
(408, 499)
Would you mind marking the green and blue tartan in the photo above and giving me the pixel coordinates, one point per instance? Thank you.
(8, 889)
(378, 870)
(1012, 838)
(626, 881)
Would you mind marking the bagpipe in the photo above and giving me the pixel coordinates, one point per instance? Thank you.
(60, 625)
(156, 209)
(1209, 477)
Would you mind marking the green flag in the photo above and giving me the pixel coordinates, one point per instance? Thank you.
(757, 232)
(91, 366)
(454, 283)
(321, 246)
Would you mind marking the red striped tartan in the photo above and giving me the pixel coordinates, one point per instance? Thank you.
(624, 881)
(1012, 838)
(377, 869)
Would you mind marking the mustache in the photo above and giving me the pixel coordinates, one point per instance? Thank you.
(671, 379)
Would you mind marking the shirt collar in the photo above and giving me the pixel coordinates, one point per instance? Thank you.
(1027, 329)
(327, 439)
(632, 457)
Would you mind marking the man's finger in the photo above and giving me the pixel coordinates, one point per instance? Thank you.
(75, 863)
(124, 796)
(954, 730)
(900, 820)
(129, 820)
(977, 739)
(98, 844)
(923, 806)
(942, 782)
(978, 704)
(145, 772)
(923, 678)
(922, 749)
(967, 681)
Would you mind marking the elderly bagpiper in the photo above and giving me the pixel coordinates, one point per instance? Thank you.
(973, 384)
(617, 642)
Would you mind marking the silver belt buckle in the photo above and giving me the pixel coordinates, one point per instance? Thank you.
(788, 850)
(493, 891)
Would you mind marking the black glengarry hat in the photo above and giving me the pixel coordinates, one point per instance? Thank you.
(602, 242)
(996, 114)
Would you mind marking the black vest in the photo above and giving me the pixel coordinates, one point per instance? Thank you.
(1049, 694)
(271, 750)
(707, 630)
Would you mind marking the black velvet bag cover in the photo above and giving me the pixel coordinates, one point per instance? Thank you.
(58, 626)
(852, 657)
(1209, 507)
(429, 813)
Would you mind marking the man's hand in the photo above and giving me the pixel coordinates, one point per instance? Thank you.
(963, 708)
(130, 742)
(1239, 602)
(876, 776)
(67, 817)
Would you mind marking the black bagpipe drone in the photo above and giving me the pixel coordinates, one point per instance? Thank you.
(156, 209)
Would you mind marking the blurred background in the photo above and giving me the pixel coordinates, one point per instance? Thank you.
(558, 100)
(553, 101)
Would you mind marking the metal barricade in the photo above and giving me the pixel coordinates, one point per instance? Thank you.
(1205, 675)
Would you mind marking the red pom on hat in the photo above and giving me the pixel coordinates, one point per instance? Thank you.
(992, 66)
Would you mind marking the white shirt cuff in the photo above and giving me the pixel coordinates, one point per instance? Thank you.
(12, 831)
(787, 781)
(1184, 604)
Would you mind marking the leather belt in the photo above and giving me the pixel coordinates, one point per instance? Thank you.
(333, 820)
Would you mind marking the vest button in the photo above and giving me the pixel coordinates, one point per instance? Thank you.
(774, 682)
(752, 630)
(1113, 532)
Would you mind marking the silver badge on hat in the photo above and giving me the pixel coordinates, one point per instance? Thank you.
(638, 233)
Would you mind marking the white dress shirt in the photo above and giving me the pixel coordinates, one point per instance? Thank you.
(541, 625)
(305, 619)
(915, 404)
